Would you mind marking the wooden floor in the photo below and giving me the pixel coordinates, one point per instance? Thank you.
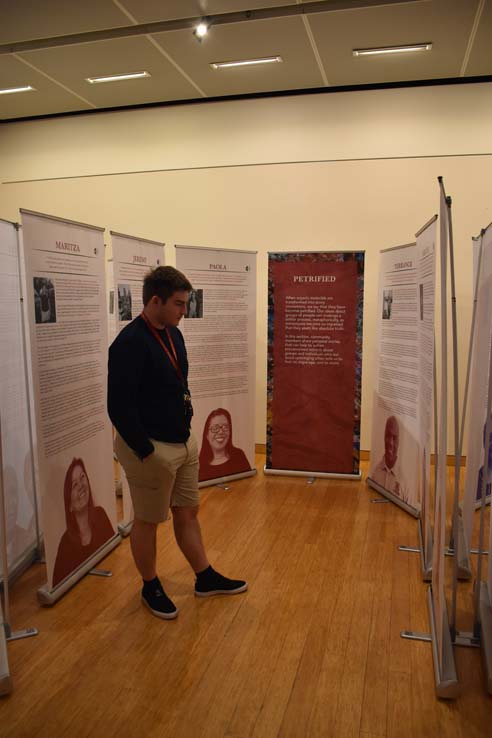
(312, 649)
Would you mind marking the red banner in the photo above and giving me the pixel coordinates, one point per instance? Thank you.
(314, 372)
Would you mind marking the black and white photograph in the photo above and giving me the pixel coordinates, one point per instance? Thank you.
(387, 302)
(44, 300)
(124, 302)
(194, 308)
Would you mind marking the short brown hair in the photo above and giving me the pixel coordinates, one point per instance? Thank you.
(164, 281)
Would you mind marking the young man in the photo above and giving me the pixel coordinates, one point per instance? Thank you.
(150, 406)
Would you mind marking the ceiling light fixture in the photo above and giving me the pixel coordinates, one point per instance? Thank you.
(392, 49)
(201, 30)
(117, 77)
(246, 62)
(11, 90)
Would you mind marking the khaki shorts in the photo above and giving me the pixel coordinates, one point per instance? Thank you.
(169, 478)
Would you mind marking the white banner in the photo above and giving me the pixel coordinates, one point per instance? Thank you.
(220, 334)
(132, 258)
(479, 375)
(402, 402)
(477, 404)
(65, 292)
(426, 256)
(16, 443)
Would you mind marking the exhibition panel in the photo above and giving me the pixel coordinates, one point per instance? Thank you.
(476, 482)
(404, 373)
(315, 302)
(66, 304)
(132, 258)
(18, 471)
(220, 332)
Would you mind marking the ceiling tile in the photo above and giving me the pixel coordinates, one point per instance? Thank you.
(21, 20)
(285, 37)
(447, 23)
(72, 64)
(480, 61)
(46, 97)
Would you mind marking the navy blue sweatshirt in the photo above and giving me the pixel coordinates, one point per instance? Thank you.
(145, 394)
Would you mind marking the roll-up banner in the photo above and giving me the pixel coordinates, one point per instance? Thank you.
(443, 656)
(402, 400)
(18, 476)
(220, 334)
(476, 482)
(315, 302)
(65, 291)
(132, 258)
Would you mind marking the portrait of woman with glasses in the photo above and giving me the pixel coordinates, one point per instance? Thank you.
(218, 456)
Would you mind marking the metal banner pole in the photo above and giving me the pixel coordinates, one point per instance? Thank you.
(457, 452)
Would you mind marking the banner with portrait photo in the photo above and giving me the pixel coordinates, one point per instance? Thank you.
(404, 365)
(220, 333)
(476, 480)
(66, 304)
(17, 460)
(315, 302)
(132, 258)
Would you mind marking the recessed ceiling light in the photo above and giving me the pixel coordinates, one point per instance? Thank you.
(201, 31)
(117, 77)
(246, 62)
(392, 49)
(11, 90)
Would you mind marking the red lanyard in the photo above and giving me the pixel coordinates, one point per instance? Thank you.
(173, 358)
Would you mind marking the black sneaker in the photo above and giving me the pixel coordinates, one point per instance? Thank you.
(158, 602)
(210, 582)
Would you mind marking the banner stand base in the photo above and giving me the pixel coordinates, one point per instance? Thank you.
(466, 639)
(125, 528)
(99, 573)
(231, 478)
(447, 686)
(48, 596)
(310, 474)
(393, 498)
(18, 635)
(478, 504)
(485, 614)
(425, 568)
(5, 678)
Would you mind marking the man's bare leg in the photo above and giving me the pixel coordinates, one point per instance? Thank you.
(143, 545)
(189, 537)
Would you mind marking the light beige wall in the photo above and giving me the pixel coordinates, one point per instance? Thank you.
(270, 175)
